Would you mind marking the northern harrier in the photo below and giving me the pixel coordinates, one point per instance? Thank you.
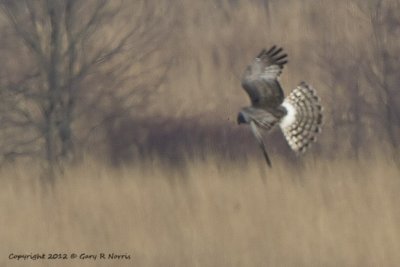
(299, 115)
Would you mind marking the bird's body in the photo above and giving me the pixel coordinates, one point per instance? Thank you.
(299, 115)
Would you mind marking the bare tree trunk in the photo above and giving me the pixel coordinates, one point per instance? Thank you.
(65, 127)
(53, 86)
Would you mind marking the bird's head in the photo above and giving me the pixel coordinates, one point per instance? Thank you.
(242, 118)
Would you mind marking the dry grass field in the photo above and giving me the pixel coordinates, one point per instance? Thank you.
(212, 213)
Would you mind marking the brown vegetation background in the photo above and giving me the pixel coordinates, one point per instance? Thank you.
(134, 112)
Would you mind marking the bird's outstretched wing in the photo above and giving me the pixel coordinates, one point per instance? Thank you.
(258, 136)
(260, 79)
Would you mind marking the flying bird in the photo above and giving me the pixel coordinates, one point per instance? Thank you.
(299, 115)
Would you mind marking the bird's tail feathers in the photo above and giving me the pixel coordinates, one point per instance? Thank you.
(303, 120)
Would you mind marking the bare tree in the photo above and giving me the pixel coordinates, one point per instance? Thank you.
(381, 68)
(72, 55)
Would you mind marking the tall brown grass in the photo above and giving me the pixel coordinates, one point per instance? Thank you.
(211, 213)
